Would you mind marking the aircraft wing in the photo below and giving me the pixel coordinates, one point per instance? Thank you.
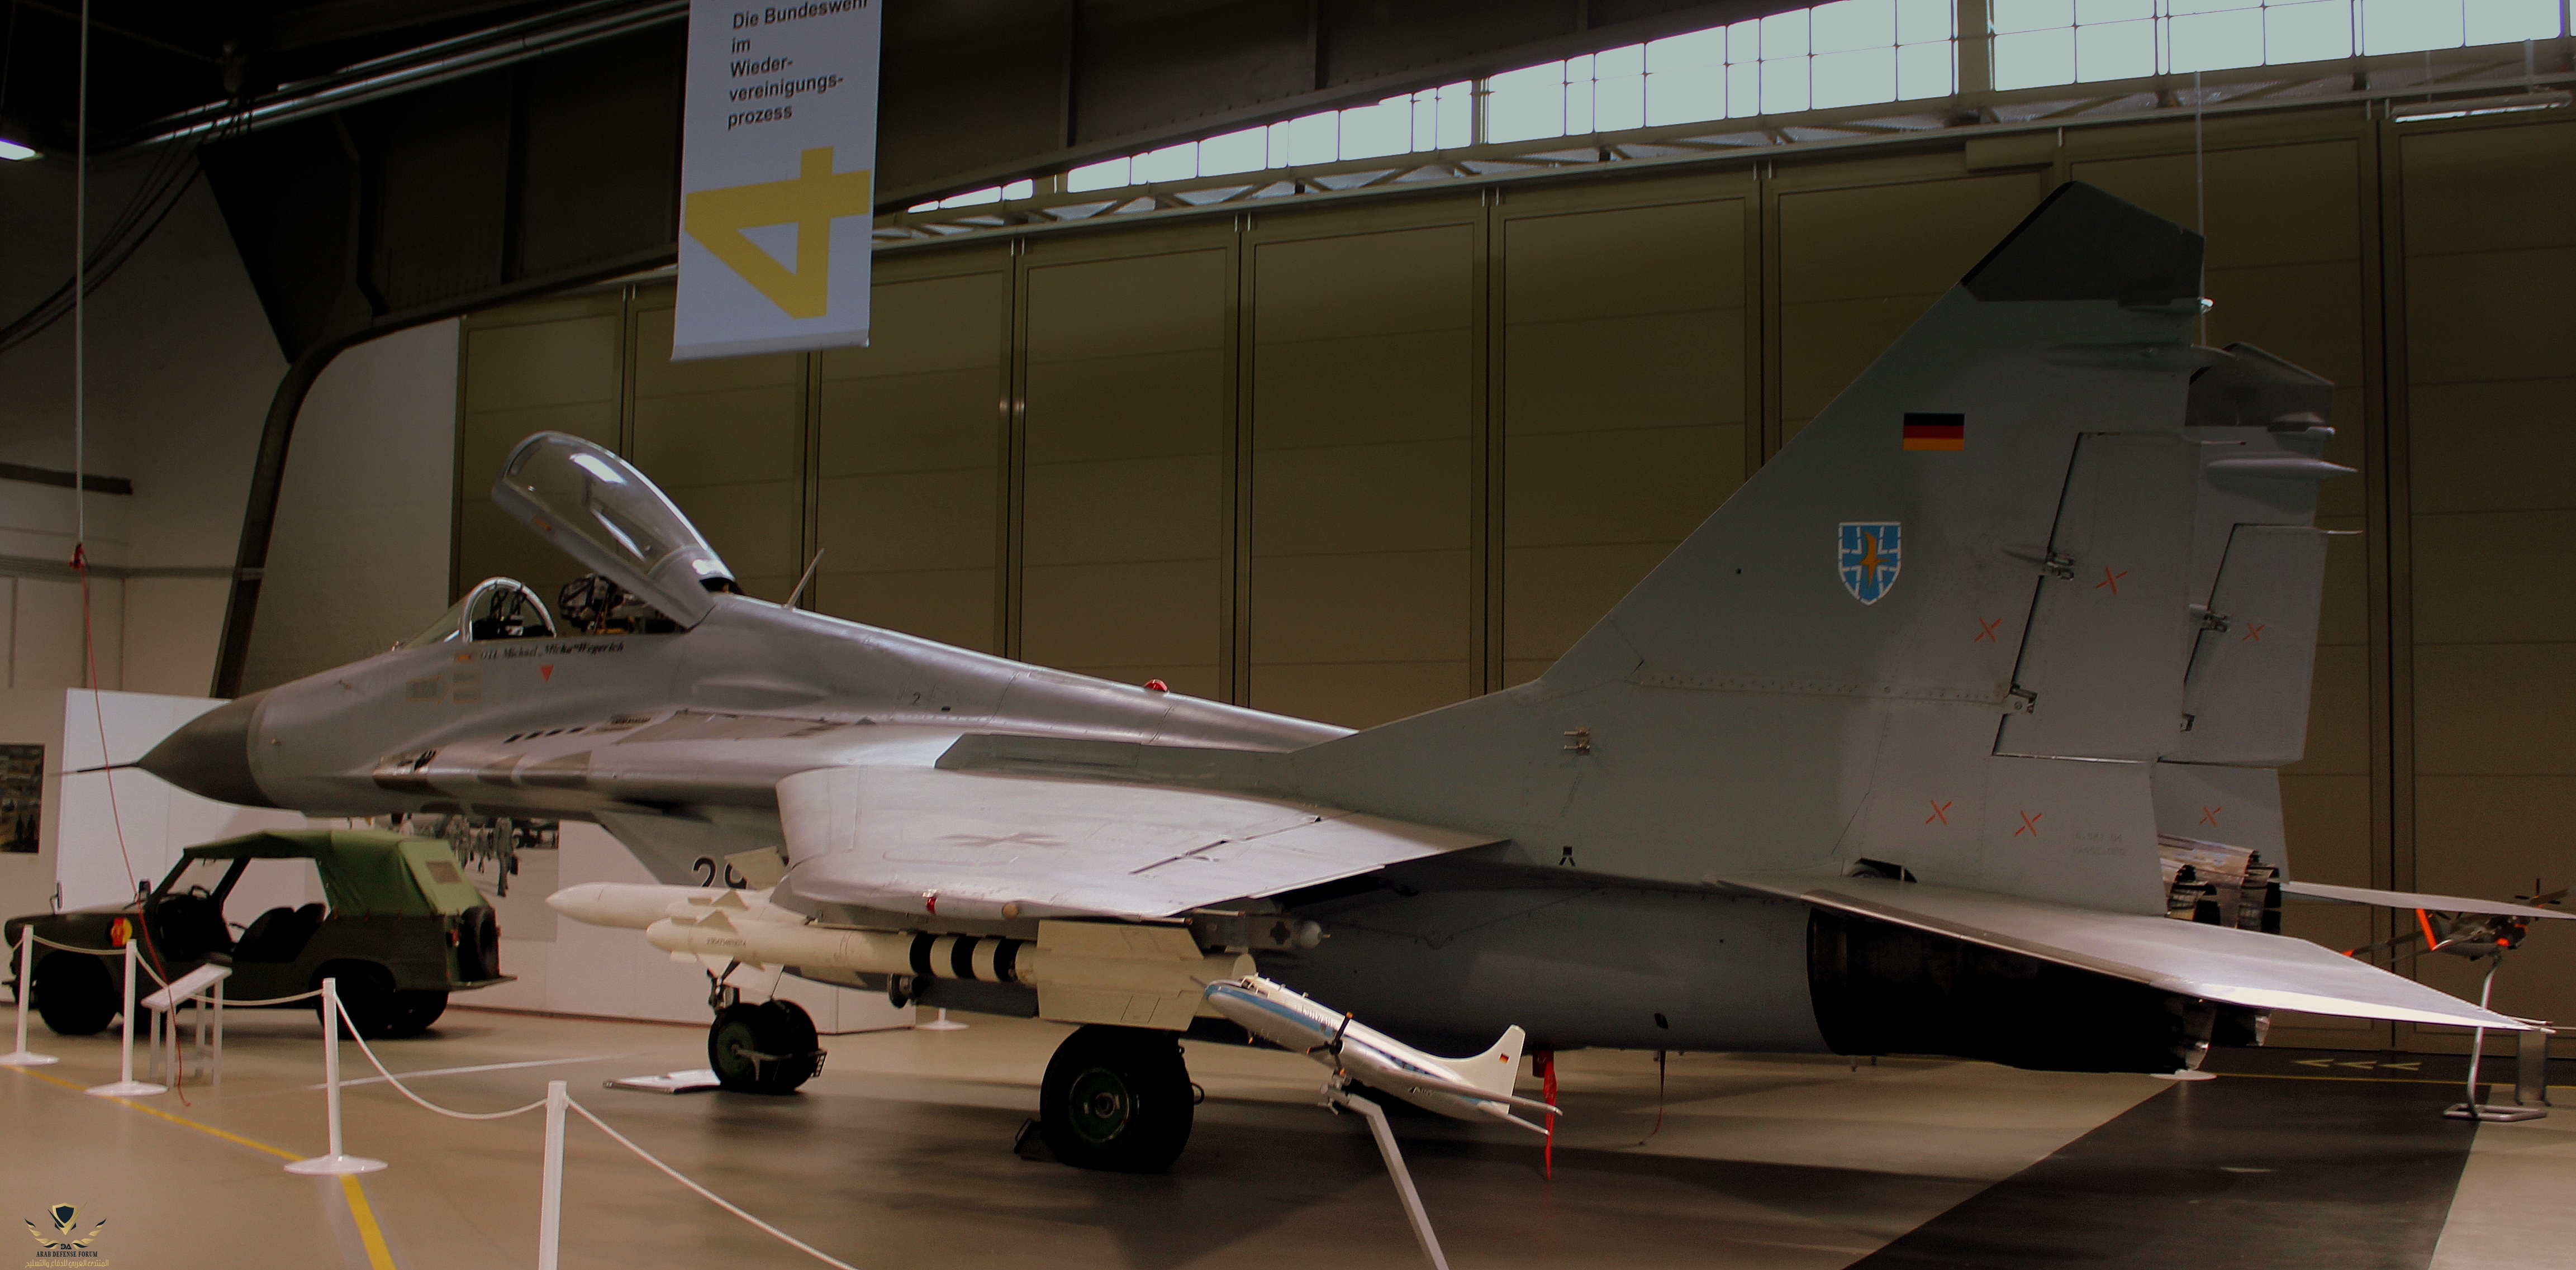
(2409, 899)
(2215, 963)
(966, 844)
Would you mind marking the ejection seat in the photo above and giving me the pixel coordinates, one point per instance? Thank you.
(497, 608)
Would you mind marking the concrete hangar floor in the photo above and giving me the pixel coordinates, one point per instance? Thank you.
(900, 1155)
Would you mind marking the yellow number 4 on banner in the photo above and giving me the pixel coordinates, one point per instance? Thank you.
(716, 218)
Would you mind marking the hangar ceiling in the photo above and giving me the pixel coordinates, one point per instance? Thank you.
(384, 162)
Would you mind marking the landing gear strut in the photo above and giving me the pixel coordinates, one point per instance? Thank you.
(1116, 1099)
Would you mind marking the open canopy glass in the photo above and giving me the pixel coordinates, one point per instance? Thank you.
(604, 513)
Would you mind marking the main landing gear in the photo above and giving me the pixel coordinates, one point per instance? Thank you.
(1117, 1099)
(764, 1048)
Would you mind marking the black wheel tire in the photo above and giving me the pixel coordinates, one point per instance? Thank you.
(768, 1048)
(75, 994)
(416, 1008)
(478, 945)
(1116, 1099)
(370, 1006)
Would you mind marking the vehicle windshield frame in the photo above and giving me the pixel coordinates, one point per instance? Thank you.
(232, 871)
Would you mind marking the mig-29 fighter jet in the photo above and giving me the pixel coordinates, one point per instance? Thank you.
(1906, 749)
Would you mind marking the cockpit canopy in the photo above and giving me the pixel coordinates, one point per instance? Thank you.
(497, 608)
(606, 514)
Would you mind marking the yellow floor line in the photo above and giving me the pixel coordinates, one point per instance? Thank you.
(379, 1257)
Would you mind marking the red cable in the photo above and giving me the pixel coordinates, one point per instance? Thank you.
(107, 773)
(1546, 1064)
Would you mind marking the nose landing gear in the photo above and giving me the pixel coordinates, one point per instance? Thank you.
(765, 1048)
(768, 1048)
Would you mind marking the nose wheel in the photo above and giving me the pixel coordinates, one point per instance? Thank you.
(1116, 1099)
(768, 1048)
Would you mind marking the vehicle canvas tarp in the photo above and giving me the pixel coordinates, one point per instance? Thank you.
(363, 870)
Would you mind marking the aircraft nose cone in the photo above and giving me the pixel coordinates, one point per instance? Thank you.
(210, 756)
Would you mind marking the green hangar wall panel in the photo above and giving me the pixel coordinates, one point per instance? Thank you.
(1624, 405)
(1364, 421)
(908, 460)
(2488, 262)
(1124, 538)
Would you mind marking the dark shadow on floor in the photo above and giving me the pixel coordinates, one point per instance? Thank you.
(2232, 1172)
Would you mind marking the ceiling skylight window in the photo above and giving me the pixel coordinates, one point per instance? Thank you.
(1440, 118)
(2043, 42)
(1829, 56)
(1848, 53)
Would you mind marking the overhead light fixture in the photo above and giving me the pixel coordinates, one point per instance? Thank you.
(2472, 107)
(12, 150)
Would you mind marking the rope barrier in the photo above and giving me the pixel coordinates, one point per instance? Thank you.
(406, 1092)
(718, 1200)
(229, 1002)
(147, 969)
(331, 1041)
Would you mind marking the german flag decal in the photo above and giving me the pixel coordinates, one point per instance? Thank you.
(1936, 432)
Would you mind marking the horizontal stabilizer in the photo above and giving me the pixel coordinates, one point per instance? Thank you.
(2214, 963)
(2410, 899)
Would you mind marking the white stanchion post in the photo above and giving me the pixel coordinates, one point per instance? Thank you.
(550, 1191)
(126, 1085)
(217, 1062)
(337, 1161)
(22, 1056)
(941, 1024)
(1394, 1155)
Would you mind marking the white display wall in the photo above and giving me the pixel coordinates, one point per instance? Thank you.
(103, 850)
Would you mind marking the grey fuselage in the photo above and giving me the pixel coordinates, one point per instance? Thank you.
(676, 743)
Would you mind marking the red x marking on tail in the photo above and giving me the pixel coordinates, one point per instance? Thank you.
(1987, 635)
(1940, 811)
(2029, 823)
(2253, 632)
(2110, 579)
(2209, 816)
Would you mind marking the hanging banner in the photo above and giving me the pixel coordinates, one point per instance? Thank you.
(777, 163)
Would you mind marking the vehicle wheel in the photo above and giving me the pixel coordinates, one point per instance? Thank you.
(369, 1004)
(768, 1048)
(75, 994)
(415, 1009)
(1116, 1098)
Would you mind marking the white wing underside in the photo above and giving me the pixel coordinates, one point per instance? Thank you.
(2216, 963)
(891, 837)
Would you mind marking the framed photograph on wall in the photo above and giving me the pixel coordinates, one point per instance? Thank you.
(22, 796)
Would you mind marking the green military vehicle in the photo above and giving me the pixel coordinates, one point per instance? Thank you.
(398, 926)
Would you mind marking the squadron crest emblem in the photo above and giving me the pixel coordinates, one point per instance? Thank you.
(1870, 556)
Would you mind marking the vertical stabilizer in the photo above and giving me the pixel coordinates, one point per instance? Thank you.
(1494, 1070)
(1949, 630)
